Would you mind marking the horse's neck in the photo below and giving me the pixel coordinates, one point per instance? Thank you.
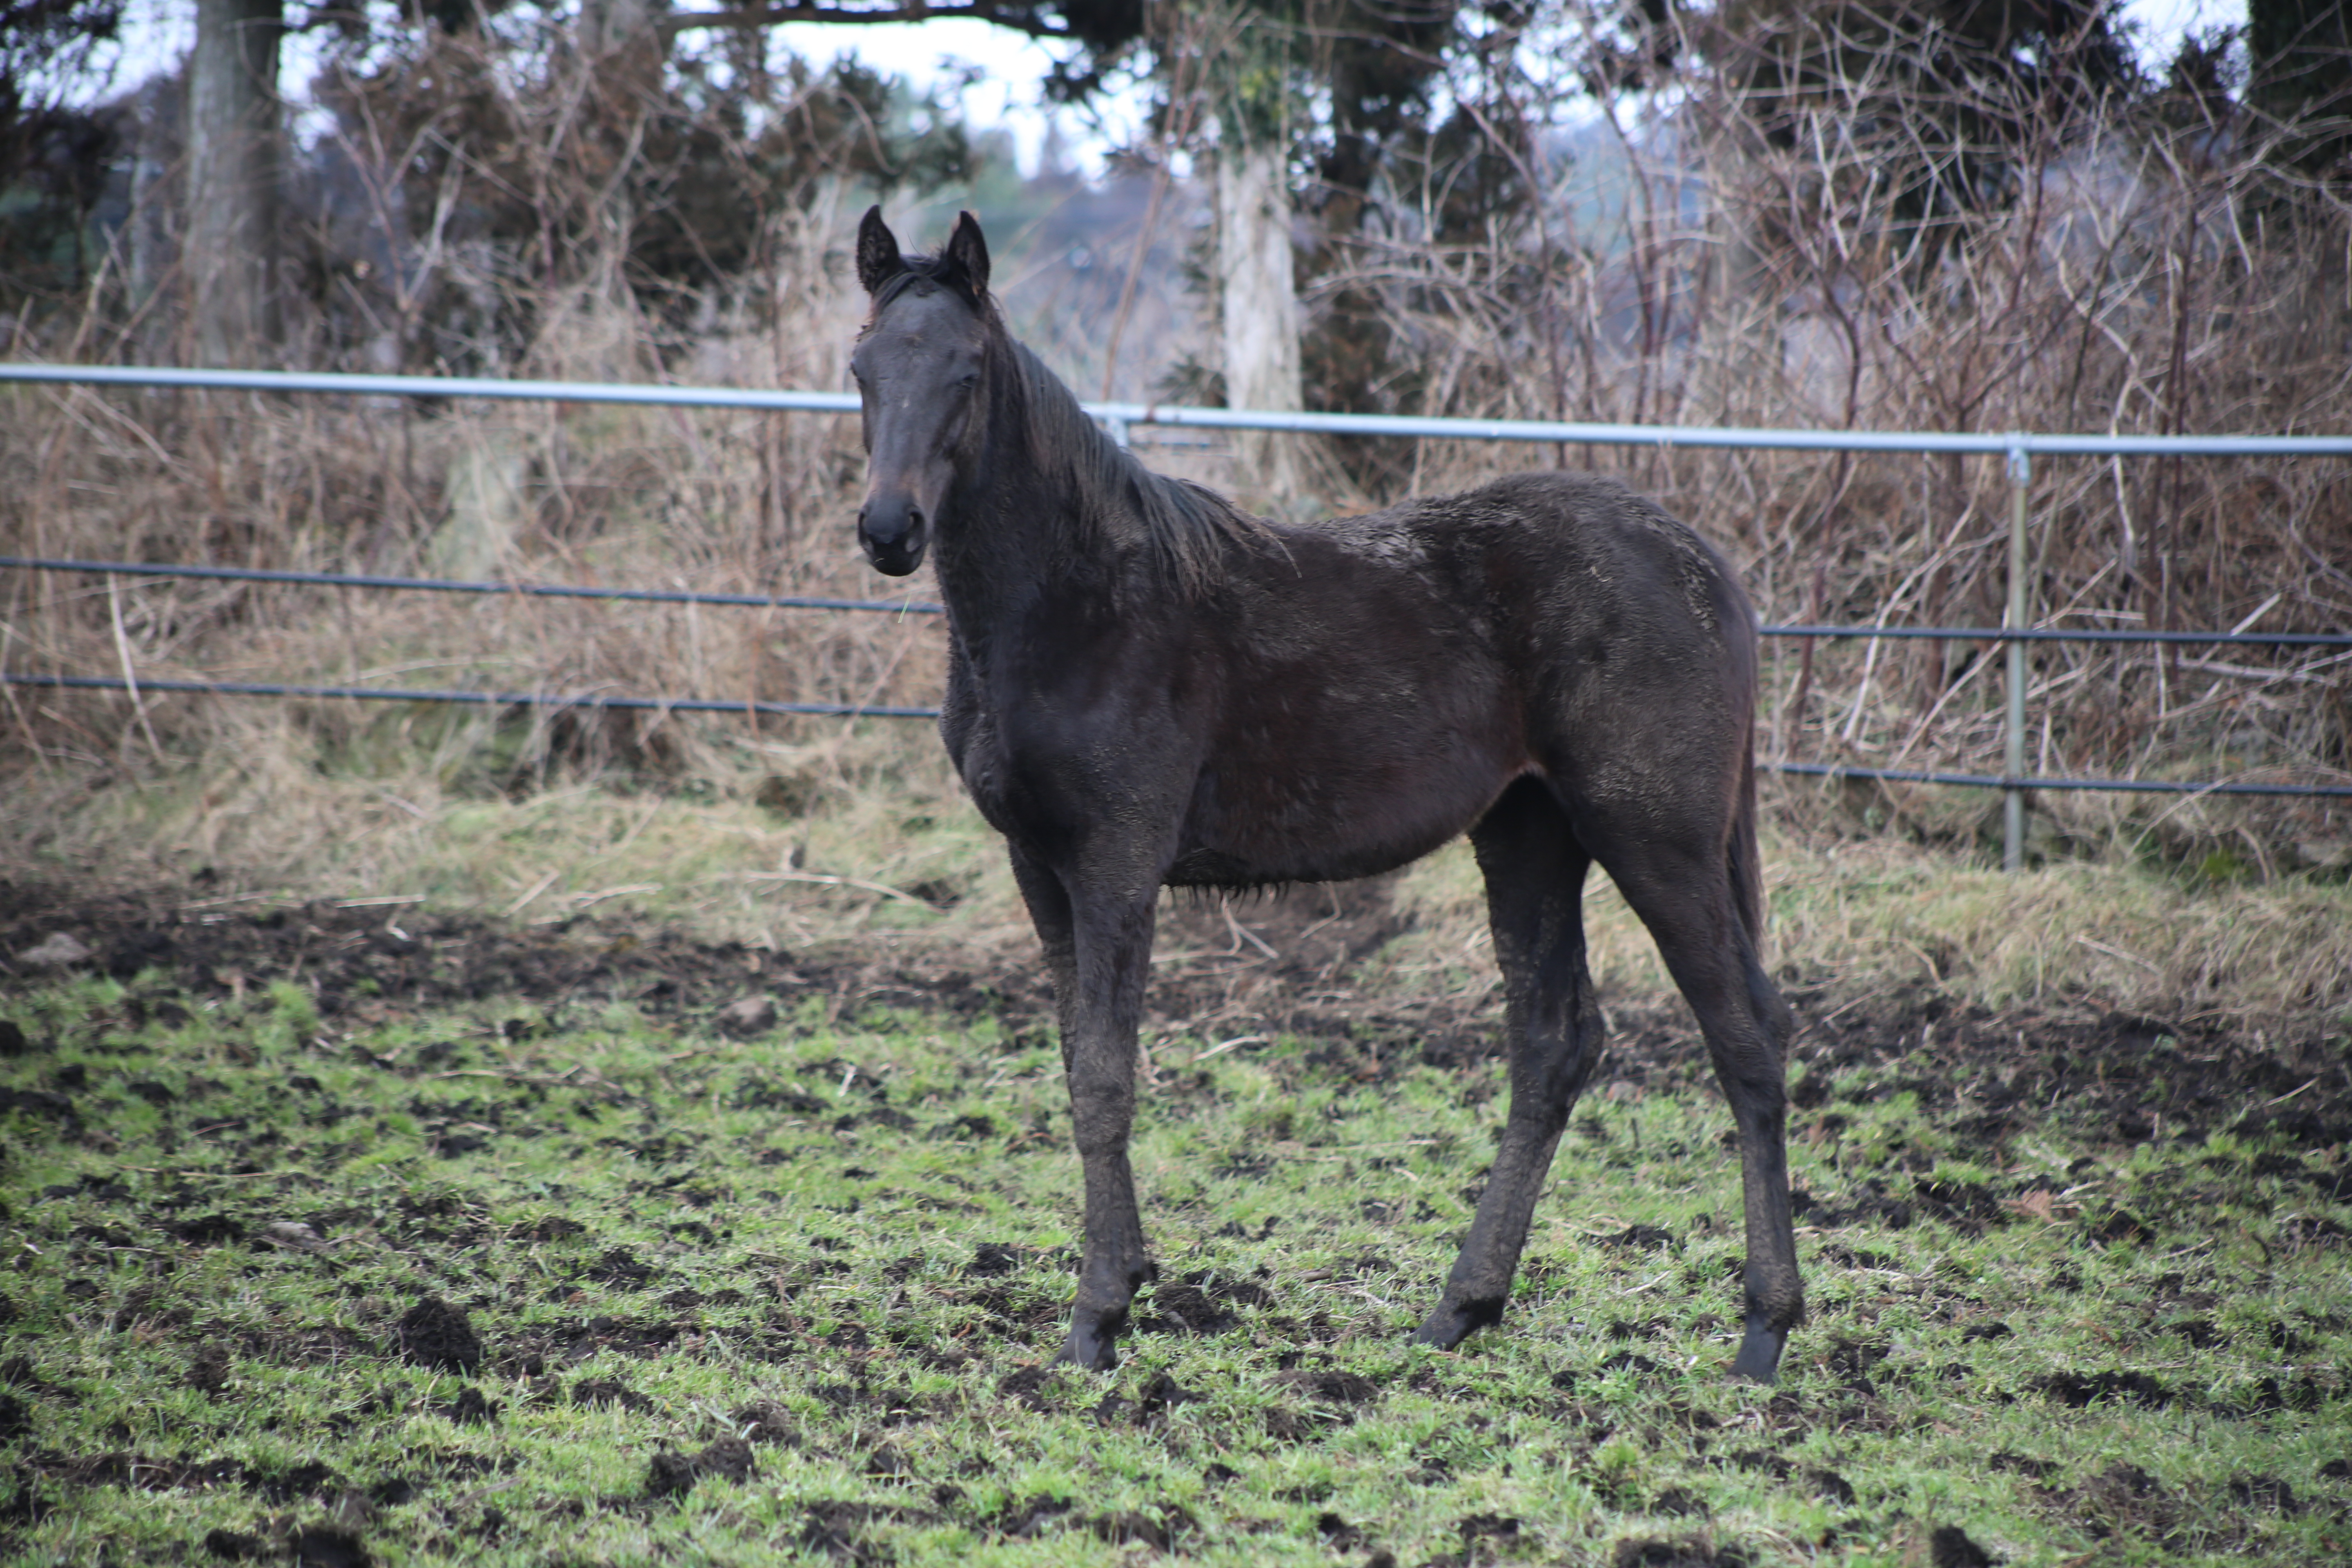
(1025, 526)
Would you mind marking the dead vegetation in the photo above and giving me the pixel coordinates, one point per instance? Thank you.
(1725, 264)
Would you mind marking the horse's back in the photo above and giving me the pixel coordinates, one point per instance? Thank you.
(1550, 559)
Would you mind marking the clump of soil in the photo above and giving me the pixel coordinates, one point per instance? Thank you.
(1201, 1303)
(671, 1475)
(993, 1261)
(836, 1531)
(323, 1546)
(432, 1333)
(1160, 1395)
(1330, 1387)
(1130, 1528)
(619, 1267)
(1950, 1547)
(766, 1421)
(595, 1393)
(1031, 1385)
(208, 1369)
(2123, 1499)
(470, 1409)
(1687, 1551)
(2079, 1392)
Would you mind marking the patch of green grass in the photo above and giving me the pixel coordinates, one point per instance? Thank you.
(848, 1243)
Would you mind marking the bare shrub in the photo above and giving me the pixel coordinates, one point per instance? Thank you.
(1742, 253)
(1891, 244)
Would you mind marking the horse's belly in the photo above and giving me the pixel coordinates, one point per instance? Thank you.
(1325, 818)
(1303, 769)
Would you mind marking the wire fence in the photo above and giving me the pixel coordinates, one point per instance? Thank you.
(597, 701)
(924, 607)
(2016, 448)
(594, 700)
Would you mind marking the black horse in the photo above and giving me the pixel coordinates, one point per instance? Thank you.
(1147, 687)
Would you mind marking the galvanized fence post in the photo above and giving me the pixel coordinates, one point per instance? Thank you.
(2012, 826)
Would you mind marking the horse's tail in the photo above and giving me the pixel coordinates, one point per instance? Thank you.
(1746, 862)
(1746, 869)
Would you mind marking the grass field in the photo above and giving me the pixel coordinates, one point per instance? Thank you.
(372, 1235)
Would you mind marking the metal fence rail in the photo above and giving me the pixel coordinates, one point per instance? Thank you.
(845, 710)
(481, 699)
(2040, 781)
(1120, 416)
(853, 710)
(460, 585)
(2016, 448)
(923, 607)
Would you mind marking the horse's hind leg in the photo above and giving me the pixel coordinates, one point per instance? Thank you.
(1535, 871)
(1682, 886)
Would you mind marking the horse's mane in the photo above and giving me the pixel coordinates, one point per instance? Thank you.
(1191, 530)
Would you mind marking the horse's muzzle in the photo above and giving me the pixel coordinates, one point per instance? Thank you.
(893, 536)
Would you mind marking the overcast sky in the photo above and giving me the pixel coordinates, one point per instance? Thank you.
(1009, 65)
(1014, 64)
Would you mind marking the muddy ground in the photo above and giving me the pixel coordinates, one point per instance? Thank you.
(1985, 1077)
(1274, 964)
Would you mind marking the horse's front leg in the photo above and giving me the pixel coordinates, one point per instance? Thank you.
(1097, 944)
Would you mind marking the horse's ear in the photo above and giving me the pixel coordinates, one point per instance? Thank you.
(968, 250)
(879, 261)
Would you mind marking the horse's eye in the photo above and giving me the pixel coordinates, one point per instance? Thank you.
(969, 380)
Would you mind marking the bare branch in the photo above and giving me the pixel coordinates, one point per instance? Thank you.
(1029, 19)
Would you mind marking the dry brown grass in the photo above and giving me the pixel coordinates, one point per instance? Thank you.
(725, 822)
(1870, 916)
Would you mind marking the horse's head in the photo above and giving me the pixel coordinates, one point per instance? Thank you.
(918, 365)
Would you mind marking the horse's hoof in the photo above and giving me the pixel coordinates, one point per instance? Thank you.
(1450, 1325)
(1443, 1332)
(1760, 1352)
(1090, 1350)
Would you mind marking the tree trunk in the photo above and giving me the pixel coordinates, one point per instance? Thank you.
(150, 241)
(1260, 306)
(233, 175)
